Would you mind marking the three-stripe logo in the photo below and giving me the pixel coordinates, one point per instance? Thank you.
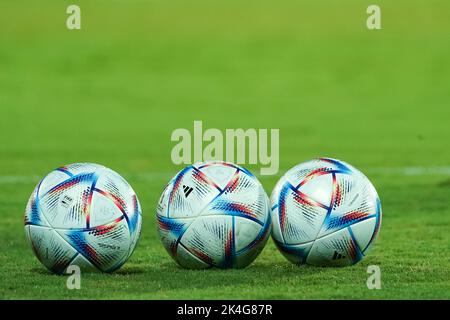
(187, 190)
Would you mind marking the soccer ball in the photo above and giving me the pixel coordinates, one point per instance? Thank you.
(214, 214)
(325, 213)
(83, 214)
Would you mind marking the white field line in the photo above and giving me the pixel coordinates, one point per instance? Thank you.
(165, 176)
(145, 177)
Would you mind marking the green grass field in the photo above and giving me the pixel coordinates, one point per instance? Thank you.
(113, 92)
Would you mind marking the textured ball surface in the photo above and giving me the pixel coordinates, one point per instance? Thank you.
(214, 214)
(85, 215)
(324, 212)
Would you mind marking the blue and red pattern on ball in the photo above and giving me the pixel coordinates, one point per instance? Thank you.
(77, 236)
(178, 228)
(175, 228)
(338, 223)
(177, 182)
(34, 217)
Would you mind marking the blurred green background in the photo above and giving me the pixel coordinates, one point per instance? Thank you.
(113, 92)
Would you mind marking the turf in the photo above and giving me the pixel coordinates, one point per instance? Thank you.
(113, 92)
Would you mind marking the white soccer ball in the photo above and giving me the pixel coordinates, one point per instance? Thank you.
(85, 215)
(214, 214)
(325, 212)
